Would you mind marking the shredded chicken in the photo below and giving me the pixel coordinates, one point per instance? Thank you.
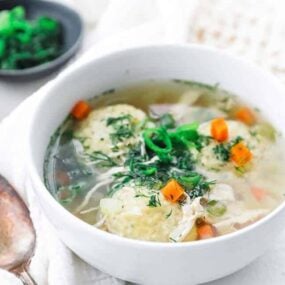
(191, 212)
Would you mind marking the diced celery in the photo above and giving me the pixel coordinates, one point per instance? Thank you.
(216, 208)
(266, 130)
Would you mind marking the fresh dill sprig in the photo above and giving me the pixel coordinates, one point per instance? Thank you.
(169, 214)
(222, 151)
(201, 189)
(102, 159)
(123, 127)
(114, 120)
(154, 201)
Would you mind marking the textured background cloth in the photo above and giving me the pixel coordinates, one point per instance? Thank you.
(254, 29)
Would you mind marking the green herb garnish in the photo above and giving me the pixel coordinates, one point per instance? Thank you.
(154, 201)
(102, 159)
(173, 160)
(167, 121)
(169, 214)
(158, 140)
(190, 181)
(27, 43)
(201, 189)
(188, 136)
(114, 120)
(123, 128)
(223, 150)
(66, 194)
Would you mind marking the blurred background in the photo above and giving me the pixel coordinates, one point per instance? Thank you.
(254, 29)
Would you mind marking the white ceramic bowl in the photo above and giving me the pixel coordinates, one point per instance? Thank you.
(149, 262)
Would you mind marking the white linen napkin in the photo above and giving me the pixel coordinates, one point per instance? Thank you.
(155, 21)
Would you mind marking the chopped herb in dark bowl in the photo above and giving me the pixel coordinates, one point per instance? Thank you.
(36, 37)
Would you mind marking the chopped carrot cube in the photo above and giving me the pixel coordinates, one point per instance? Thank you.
(81, 110)
(245, 115)
(258, 193)
(172, 191)
(219, 129)
(240, 154)
(206, 231)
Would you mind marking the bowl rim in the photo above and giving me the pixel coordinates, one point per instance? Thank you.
(58, 60)
(80, 224)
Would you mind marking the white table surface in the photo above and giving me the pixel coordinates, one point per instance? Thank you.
(12, 93)
(268, 269)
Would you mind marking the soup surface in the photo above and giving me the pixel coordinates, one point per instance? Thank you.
(168, 161)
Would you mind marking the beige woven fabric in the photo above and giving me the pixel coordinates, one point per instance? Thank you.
(254, 29)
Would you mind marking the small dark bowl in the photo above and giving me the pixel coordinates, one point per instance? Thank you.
(72, 30)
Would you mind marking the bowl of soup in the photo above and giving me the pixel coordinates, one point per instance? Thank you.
(162, 164)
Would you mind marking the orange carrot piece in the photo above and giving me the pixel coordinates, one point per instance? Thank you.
(206, 231)
(240, 154)
(219, 129)
(172, 191)
(258, 193)
(245, 115)
(81, 110)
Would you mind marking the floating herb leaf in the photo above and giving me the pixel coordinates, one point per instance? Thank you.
(201, 189)
(167, 121)
(222, 150)
(123, 127)
(169, 214)
(115, 120)
(66, 194)
(102, 159)
(154, 201)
